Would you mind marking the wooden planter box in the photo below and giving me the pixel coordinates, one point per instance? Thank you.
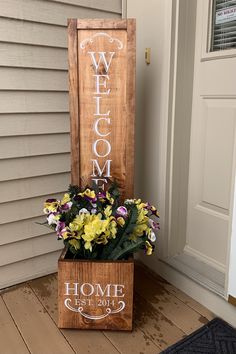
(95, 294)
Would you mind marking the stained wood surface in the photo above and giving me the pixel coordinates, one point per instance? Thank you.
(153, 330)
(115, 140)
(74, 100)
(101, 24)
(106, 274)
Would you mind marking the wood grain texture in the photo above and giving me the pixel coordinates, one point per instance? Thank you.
(117, 134)
(154, 324)
(167, 304)
(131, 63)
(28, 313)
(92, 273)
(187, 300)
(115, 102)
(82, 342)
(101, 24)
(10, 338)
(74, 99)
(153, 331)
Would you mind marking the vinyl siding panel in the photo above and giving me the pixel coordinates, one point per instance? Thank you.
(27, 79)
(33, 166)
(34, 126)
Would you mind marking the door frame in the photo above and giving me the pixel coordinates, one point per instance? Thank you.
(177, 254)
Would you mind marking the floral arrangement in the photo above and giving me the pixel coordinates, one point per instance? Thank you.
(93, 225)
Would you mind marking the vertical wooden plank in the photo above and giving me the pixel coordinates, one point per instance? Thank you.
(74, 99)
(34, 323)
(10, 339)
(131, 64)
(103, 110)
(103, 144)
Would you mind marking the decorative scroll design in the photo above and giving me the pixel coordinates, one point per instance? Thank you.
(101, 34)
(80, 310)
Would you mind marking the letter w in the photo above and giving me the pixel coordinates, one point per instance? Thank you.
(102, 59)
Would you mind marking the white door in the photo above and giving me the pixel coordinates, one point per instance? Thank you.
(212, 147)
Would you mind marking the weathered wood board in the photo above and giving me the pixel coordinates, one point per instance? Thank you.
(95, 294)
(102, 102)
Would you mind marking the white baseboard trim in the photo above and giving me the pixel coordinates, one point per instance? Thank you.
(215, 303)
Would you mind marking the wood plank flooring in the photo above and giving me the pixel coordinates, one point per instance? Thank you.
(162, 316)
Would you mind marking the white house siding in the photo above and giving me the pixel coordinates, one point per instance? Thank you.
(34, 126)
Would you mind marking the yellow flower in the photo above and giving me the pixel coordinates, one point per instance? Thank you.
(140, 229)
(65, 199)
(108, 211)
(94, 228)
(113, 229)
(50, 207)
(88, 246)
(89, 193)
(75, 243)
(108, 196)
(78, 223)
(120, 221)
(149, 249)
(142, 216)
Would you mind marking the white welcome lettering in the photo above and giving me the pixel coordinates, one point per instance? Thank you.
(102, 59)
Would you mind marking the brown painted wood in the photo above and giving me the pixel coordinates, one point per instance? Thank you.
(10, 338)
(83, 342)
(34, 323)
(73, 98)
(111, 141)
(131, 57)
(101, 24)
(102, 285)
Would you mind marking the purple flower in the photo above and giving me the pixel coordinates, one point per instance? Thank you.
(66, 206)
(122, 211)
(154, 225)
(60, 227)
(51, 200)
(101, 195)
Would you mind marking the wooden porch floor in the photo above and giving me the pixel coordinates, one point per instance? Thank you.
(163, 315)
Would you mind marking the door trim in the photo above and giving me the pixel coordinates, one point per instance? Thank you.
(179, 255)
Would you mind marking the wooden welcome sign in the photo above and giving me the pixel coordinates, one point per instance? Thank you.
(102, 102)
(99, 294)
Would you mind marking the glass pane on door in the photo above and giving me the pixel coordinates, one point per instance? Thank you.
(223, 34)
